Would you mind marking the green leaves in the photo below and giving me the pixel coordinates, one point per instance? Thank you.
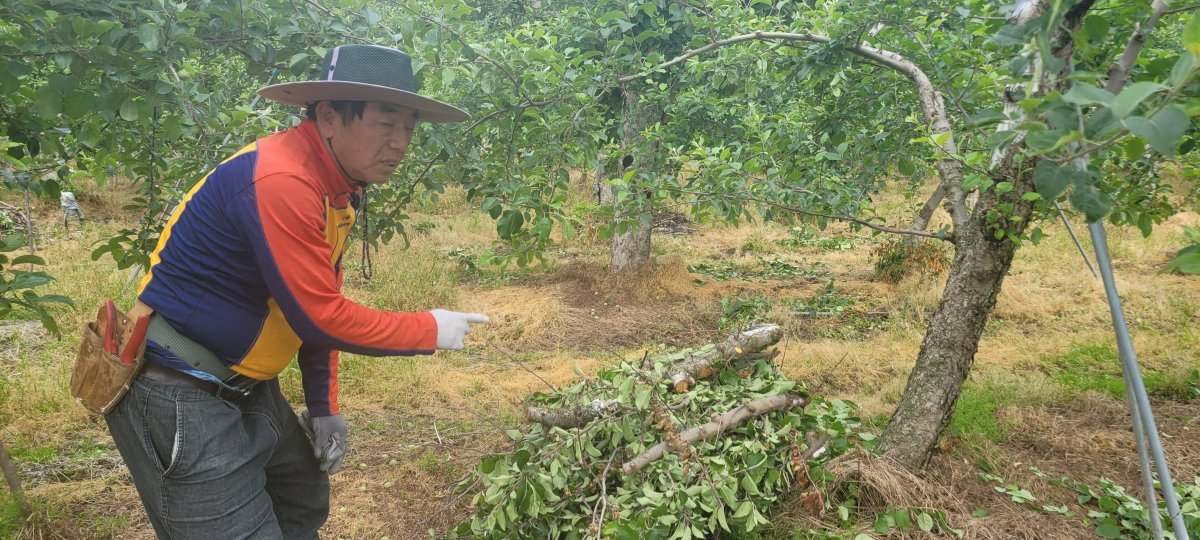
(1095, 27)
(129, 110)
(1191, 34)
(925, 522)
(1187, 261)
(18, 287)
(1051, 180)
(1090, 201)
(1163, 131)
(149, 35)
(725, 485)
(509, 223)
(1108, 529)
(48, 104)
(1132, 96)
(985, 118)
(1087, 94)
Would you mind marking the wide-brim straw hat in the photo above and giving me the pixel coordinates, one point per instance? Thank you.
(365, 73)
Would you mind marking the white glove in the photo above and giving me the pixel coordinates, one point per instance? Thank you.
(453, 326)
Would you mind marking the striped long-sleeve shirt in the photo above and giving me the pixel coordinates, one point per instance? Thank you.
(249, 266)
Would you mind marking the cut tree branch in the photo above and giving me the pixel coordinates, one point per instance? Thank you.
(750, 410)
(705, 364)
(571, 418)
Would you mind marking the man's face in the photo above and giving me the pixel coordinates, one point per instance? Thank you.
(368, 148)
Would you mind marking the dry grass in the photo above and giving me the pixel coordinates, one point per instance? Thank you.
(872, 486)
(434, 416)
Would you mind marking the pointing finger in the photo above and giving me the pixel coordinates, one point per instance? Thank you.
(477, 318)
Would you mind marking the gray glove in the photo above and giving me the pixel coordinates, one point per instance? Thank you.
(328, 434)
(453, 326)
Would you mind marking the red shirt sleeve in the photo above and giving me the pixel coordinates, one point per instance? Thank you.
(286, 224)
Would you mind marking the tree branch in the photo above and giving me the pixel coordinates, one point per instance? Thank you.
(1182, 9)
(836, 217)
(729, 420)
(187, 103)
(571, 418)
(518, 107)
(1119, 72)
(14, 481)
(740, 345)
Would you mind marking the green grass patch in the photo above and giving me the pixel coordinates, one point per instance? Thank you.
(809, 237)
(975, 412)
(1095, 367)
(1089, 368)
(761, 269)
(41, 454)
(10, 515)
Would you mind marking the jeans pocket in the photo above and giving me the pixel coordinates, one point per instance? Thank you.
(162, 425)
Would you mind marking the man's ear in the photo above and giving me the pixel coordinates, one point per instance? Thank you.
(327, 116)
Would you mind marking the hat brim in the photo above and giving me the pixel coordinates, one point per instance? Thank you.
(304, 92)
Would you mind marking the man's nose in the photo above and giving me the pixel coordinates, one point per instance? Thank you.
(400, 141)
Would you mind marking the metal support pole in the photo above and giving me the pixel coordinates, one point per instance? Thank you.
(1071, 231)
(1133, 379)
(1139, 437)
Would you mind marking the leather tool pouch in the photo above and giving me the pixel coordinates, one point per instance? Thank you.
(101, 378)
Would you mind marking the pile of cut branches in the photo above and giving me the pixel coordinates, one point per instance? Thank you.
(693, 444)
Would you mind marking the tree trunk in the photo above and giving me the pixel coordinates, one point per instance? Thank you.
(631, 249)
(602, 191)
(980, 264)
(14, 482)
(948, 350)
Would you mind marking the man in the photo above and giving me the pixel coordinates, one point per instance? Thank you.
(246, 276)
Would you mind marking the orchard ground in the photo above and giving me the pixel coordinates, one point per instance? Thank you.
(1045, 393)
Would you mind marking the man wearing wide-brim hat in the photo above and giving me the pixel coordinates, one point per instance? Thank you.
(246, 276)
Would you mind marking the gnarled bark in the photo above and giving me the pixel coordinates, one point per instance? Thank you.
(948, 349)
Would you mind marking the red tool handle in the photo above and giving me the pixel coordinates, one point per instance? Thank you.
(110, 327)
(135, 340)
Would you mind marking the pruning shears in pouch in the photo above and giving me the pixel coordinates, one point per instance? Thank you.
(134, 343)
(113, 331)
(109, 332)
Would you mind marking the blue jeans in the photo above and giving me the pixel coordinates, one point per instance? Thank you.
(207, 468)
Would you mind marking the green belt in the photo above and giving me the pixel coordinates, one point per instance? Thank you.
(195, 354)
